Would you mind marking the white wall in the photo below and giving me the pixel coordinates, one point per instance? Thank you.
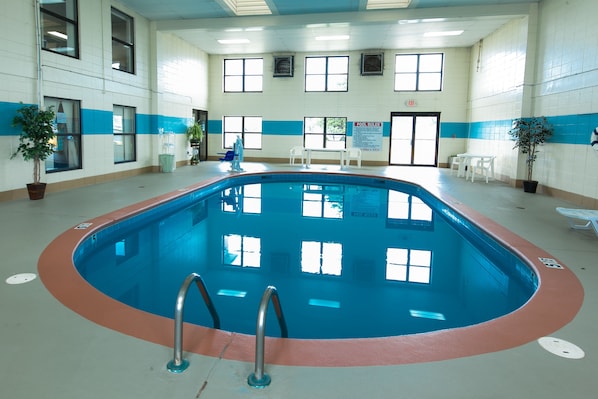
(567, 85)
(370, 98)
(170, 80)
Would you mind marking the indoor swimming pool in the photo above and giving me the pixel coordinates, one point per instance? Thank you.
(370, 271)
(350, 257)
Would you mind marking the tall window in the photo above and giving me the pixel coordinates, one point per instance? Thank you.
(408, 210)
(67, 144)
(239, 250)
(60, 31)
(323, 201)
(123, 42)
(418, 72)
(245, 199)
(243, 75)
(322, 257)
(123, 125)
(323, 132)
(408, 265)
(249, 128)
(327, 73)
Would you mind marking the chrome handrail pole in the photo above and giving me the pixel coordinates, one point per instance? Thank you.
(178, 364)
(258, 378)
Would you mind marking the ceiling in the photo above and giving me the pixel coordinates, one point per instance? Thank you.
(294, 24)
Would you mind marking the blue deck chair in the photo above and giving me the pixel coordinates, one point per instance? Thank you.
(229, 156)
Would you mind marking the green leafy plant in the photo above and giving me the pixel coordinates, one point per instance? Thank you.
(37, 132)
(195, 132)
(528, 134)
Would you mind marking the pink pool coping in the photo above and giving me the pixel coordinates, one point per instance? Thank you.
(556, 302)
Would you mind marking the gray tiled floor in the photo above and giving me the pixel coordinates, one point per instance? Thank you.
(48, 351)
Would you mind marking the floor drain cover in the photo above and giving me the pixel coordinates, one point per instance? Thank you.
(561, 348)
(21, 278)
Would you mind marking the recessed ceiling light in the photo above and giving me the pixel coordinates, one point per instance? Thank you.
(248, 7)
(445, 33)
(333, 37)
(58, 34)
(379, 4)
(233, 41)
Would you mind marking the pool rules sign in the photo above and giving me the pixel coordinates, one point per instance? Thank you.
(367, 136)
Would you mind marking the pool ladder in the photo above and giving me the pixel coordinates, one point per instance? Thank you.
(258, 378)
(178, 364)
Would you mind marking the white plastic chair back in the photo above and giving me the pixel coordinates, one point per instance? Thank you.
(296, 152)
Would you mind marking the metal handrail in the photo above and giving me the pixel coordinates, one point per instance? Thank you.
(178, 364)
(258, 378)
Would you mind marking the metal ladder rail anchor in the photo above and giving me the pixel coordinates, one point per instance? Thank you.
(259, 379)
(178, 364)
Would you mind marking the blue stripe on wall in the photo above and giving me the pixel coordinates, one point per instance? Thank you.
(455, 130)
(490, 130)
(94, 121)
(282, 128)
(568, 129)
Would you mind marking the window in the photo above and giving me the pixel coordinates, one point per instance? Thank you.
(67, 144)
(123, 126)
(321, 258)
(242, 251)
(243, 75)
(327, 73)
(405, 210)
(249, 128)
(245, 199)
(322, 201)
(418, 72)
(323, 132)
(60, 32)
(123, 42)
(408, 265)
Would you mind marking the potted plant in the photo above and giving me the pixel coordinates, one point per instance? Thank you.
(35, 142)
(195, 136)
(528, 134)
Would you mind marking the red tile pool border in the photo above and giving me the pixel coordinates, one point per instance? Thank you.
(556, 302)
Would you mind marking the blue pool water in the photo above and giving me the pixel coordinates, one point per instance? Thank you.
(350, 257)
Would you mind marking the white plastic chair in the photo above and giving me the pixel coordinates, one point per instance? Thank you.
(296, 152)
(354, 153)
(484, 166)
(456, 164)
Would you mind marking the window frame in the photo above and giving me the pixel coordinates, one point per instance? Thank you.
(66, 136)
(73, 23)
(325, 133)
(244, 75)
(124, 134)
(418, 73)
(327, 74)
(243, 132)
(122, 41)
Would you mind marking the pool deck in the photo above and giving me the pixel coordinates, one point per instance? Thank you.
(50, 351)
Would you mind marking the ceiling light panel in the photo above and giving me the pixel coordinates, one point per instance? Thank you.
(382, 4)
(248, 7)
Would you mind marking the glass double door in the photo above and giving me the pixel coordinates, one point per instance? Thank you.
(414, 138)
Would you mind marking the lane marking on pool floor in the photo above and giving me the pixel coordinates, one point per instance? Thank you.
(561, 348)
(21, 278)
